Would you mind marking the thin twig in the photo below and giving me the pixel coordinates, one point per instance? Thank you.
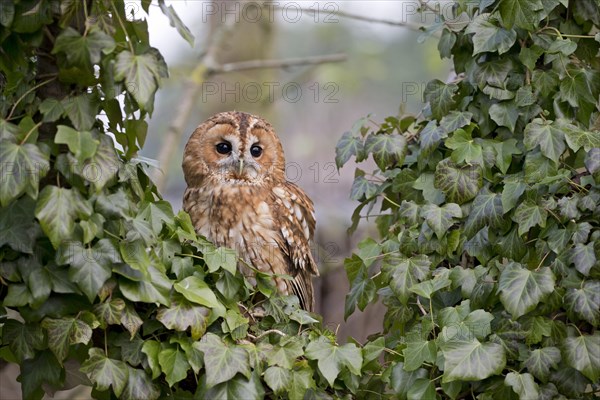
(284, 63)
(358, 17)
(265, 333)
(39, 85)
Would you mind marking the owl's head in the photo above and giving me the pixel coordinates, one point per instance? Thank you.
(233, 148)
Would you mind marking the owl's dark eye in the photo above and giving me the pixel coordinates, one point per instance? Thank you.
(256, 151)
(224, 148)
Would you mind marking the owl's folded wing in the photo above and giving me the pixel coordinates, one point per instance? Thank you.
(295, 217)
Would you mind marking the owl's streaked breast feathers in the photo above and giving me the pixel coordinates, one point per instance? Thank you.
(237, 196)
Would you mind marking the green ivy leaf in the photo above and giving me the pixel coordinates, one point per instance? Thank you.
(529, 56)
(51, 109)
(427, 288)
(544, 82)
(236, 388)
(521, 289)
(583, 257)
(221, 257)
(472, 360)
(64, 332)
(103, 166)
(182, 315)
(131, 320)
(564, 46)
(423, 389)
(81, 110)
(578, 138)
(459, 183)
(362, 292)
(431, 135)
(141, 73)
(173, 363)
(528, 215)
(583, 354)
(446, 43)
(585, 302)
(139, 386)
(109, 312)
(332, 358)
(538, 167)
(487, 210)
(89, 267)
(17, 225)
(363, 188)
(416, 353)
(285, 353)
(511, 194)
(278, 379)
(105, 372)
(43, 369)
(405, 273)
(524, 14)
(82, 144)
(523, 384)
(154, 289)
(426, 183)
(546, 135)
(225, 360)
(197, 291)
(83, 51)
(575, 89)
(465, 148)
(350, 144)
(56, 209)
(541, 361)
(440, 97)
(402, 381)
(22, 339)
(387, 149)
(505, 114)
(440, 219)
(176, 22)
(455, 120)
(489, 37)
(22, 167)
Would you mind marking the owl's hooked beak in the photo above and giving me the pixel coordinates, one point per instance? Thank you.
(241, 161)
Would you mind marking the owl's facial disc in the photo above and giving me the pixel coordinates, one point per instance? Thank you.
(234, 163)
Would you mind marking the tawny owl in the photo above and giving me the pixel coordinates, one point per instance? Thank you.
(237, 196)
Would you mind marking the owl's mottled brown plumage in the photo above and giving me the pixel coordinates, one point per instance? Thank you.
(240, 199)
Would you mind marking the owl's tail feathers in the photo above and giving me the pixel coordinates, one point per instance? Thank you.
(303, 288)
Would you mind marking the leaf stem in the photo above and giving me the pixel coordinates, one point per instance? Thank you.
(390, 200)
(112, 235)
(189, 255)
(556, 32)
(30, 132)
(25, 94)
(123, 27)
(267, 332)
(394, 352)
(543, 259)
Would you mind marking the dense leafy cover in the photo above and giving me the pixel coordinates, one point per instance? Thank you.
(101, 283)
(489, 258)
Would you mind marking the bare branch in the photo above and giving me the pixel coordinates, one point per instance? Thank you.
(405, 24)
(284, 63)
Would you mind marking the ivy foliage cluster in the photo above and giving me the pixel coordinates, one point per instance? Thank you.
(489, 258)
(102, 284)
